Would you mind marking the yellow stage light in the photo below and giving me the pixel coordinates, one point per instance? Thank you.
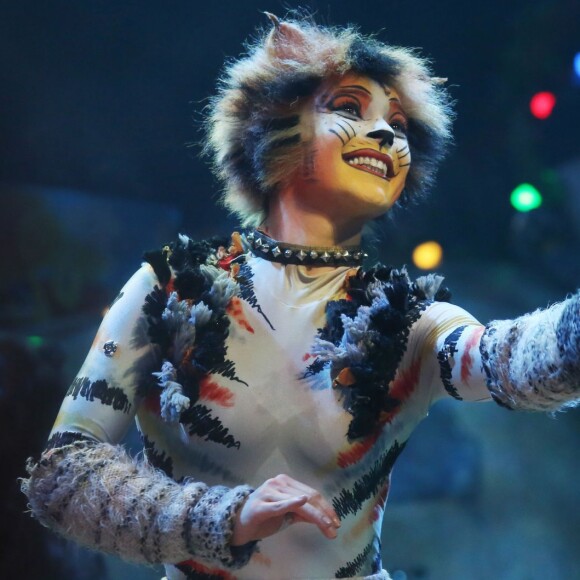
(428, 255)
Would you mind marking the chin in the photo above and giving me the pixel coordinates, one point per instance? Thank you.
(375, 204)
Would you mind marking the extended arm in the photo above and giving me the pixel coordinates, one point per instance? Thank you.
(531, 362)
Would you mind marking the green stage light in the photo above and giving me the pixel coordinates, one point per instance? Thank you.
(526, 197)
(34, 341)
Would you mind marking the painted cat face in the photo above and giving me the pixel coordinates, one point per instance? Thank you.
(358, 157)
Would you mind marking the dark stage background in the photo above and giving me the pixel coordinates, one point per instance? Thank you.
(100, 108)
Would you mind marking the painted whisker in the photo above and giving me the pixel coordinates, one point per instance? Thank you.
(348, 135)
(335, 133)
(352, 128)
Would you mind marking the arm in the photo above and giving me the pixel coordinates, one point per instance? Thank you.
(89, 489)
(530, 363)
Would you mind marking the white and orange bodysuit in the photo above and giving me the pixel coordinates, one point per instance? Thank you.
(241, 368)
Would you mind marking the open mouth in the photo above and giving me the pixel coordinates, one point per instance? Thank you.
(371, 161)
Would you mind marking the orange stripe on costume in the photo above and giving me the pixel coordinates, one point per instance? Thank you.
(234, 309)
(466, 358)
(402, 387)
(357, 450)
(211, 391)
(406, 381)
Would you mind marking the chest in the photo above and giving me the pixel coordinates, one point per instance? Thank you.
(275, 398)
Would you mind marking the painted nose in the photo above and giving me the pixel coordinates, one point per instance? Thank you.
(383, 136)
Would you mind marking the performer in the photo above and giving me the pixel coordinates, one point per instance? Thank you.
(273, 360)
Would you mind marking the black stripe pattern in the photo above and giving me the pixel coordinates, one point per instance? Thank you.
(350, 501)
(200, 422)
(445, 356)
(158, 459)
(353, 567)
(99, 389)
(65, 438)
(247, 290)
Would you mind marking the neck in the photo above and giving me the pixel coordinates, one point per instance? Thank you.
(289, 222)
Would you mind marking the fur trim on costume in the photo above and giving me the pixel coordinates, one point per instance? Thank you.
(188, 320)
(533, 362)
(97, 495)
(173, 401)
(365, 338)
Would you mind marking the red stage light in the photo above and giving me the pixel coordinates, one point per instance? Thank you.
(542, 104)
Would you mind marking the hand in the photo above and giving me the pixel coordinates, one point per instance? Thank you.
(279, 501)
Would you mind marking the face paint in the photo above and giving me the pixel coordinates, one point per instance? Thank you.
(357, 157)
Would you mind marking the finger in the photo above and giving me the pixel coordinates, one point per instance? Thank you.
(289, 504)
(314, 515)
(282, 505)
(315, 498)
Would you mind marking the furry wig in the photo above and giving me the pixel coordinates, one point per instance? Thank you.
(252, 125)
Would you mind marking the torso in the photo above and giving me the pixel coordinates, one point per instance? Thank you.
(282, 417)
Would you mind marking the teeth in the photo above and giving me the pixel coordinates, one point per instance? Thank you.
(370, 163)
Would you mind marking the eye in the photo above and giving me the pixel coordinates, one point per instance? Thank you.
(350, 108)
(347, 107)
(399, 127)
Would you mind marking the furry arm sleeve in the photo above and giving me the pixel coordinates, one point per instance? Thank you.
(533, 362)
(97, 495)
(90, 490)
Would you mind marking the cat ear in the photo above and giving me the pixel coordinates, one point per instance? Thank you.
(273, 19)
(286, 41)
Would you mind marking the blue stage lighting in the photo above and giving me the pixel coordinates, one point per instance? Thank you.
(577, 65)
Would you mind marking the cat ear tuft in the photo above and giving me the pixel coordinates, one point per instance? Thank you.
(286, 41)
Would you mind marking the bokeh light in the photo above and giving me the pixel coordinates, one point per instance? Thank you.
(577, 65)
(428, 255)
(542, 104)
(34, 341)
(525, 197)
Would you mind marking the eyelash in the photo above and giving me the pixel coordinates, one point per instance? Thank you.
(354, 113)
(399, 126)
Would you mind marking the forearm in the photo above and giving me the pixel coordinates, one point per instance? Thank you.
(533, 362)
(97, 495)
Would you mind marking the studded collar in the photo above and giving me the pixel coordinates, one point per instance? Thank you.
(265, 247)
